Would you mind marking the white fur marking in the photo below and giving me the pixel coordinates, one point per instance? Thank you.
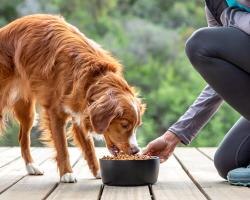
(14, 95)
(68, 178)
(76, 116)
(98, 175)
(132, 139)
(33, 169)
(135, 108)
(134, 105)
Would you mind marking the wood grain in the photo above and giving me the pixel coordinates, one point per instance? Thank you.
(202, 170)
(37, 187)
(173, 183)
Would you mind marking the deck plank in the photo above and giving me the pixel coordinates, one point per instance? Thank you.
(202, 170)
(87, 186)
(37, 187)
(125, 193)
(16, 169)
(10, 155)
(173, 183)
(2, 149)
(209, 151)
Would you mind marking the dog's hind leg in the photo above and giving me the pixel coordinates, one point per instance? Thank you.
(24, 112)
(84, 140)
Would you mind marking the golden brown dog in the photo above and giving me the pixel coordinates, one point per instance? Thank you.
(45, 60)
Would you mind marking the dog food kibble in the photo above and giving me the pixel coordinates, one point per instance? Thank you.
(122, 156)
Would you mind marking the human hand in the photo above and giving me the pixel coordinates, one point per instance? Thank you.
(162, 146)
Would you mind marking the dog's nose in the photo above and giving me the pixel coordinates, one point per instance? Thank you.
(135, 150)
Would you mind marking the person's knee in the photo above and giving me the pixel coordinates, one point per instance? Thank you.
(196, 46)
(221, 164)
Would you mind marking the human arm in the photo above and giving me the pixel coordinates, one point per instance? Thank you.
(197, 115)
(211, 21)
(188, 125)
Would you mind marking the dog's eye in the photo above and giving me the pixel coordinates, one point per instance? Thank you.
(125, 124)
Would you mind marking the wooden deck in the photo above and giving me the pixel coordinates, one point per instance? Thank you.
(189, 174)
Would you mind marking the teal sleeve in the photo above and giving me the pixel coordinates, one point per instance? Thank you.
(236, 4)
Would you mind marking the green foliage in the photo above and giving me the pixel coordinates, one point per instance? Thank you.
(10, 137)
(148, 37)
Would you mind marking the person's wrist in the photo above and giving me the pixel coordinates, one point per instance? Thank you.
(170, 136)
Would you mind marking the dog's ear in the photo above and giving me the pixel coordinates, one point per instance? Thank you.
(103, 111)
(142, 106)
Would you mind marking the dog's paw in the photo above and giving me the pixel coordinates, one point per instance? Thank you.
(33, 169)
(68, 178)
(98, 175)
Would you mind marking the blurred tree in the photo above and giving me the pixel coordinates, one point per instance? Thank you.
(28, 7)
(8, 11)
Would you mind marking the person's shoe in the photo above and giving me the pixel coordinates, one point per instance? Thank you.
(239, 176)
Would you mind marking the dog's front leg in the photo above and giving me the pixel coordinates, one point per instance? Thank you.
(57, 126)
(84, 140)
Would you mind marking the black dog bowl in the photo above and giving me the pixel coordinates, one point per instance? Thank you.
(129, 172)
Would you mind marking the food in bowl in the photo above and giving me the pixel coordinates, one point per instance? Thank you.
(123, 156)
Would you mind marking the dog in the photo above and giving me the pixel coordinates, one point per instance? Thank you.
(48, 62)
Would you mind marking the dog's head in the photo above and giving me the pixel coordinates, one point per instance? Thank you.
(115, 112)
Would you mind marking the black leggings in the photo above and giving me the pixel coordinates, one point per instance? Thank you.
(222, 56)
